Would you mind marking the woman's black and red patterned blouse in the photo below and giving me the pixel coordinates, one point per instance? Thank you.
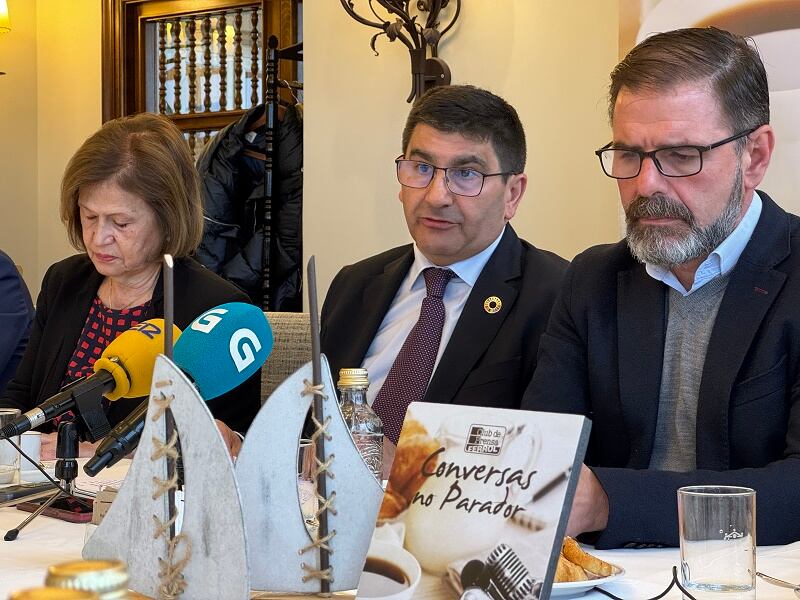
(102, 327)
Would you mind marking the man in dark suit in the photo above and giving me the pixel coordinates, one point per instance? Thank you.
(682, 342)
(470, 337)
(16, 315)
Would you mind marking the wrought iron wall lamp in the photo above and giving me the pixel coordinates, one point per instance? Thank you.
(418, 33)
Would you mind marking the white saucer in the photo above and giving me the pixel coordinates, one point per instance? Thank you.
(34, 476)
(578, 588)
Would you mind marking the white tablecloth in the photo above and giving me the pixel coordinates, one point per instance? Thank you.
(648, 572)
(47, 541)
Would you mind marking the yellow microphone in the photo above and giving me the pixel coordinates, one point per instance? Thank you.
(130, 359)
(124, 370)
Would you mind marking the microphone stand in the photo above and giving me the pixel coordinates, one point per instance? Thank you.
(67, 445)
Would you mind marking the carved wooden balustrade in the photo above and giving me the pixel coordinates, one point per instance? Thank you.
(200, 63)
(207, 64)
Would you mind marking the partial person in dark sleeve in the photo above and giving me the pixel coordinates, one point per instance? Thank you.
(129, 194)
(16, 315)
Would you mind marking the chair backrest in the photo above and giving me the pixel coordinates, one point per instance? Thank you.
(291, 349)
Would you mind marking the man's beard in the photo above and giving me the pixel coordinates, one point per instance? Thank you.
(671, 245)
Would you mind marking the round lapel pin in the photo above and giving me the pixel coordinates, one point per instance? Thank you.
(492, 305)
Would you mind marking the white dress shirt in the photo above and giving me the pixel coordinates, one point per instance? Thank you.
(404, 312)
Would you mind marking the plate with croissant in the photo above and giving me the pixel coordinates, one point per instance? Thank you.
(578, 571)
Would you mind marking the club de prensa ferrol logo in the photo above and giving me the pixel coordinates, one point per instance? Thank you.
(485, 439)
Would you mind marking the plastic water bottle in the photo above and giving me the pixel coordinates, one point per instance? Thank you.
(364, 425)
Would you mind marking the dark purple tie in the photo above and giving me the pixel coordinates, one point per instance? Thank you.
(409, 376)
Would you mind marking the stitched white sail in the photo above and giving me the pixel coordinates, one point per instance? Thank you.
(267, 474)
(212, 519)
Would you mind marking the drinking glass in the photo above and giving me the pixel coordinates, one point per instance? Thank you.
(306, 490)
(717, 526)
(9, 456)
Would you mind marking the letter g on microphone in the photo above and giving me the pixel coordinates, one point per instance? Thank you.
(244, 345)
(224, 346)
(208, 320)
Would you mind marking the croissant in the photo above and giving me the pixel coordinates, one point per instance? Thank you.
(568, 571)
(411, 454)
(591, 564)
(393, 504)
(406, 478)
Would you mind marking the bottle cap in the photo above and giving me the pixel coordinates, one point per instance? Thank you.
(49, 593)
(353, 378)
(108, 578)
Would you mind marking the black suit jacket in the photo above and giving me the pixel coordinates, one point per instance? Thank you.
(490, 358)
(602, 357)
(68, 288)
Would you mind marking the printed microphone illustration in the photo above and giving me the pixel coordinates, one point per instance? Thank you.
(475, 582)
(124, 370)
(512, 578)
(502, 577)
(218, 351)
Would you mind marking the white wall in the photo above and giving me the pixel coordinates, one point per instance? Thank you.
(549, 58)
(18, 132)
(49, 103)
(69, 107)
(775, 29)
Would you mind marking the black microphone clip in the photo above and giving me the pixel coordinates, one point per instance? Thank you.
(122, 440)
(83, 397)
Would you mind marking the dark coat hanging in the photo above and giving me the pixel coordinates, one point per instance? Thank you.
(233, 172)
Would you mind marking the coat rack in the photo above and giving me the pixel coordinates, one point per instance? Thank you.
(420, 35)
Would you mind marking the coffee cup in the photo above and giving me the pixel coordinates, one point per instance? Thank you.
(390, 573)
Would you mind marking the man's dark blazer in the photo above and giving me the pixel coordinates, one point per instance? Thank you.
(16, 314)
(68, 289)
(602, 357)
(490, 358)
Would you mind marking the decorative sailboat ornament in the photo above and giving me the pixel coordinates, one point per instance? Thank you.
(284, 556)
(242, 529)
(208, 558)
(281, 551)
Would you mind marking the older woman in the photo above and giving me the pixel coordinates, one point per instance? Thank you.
(129, 194)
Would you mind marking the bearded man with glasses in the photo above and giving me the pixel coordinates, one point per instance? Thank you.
(682, 341)
(456, 316)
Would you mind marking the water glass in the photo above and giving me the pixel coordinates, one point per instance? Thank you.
(717, 526)
(9, 456)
